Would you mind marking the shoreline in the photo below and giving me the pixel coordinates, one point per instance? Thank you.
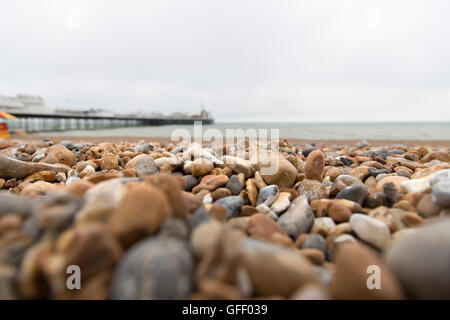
(350, 142)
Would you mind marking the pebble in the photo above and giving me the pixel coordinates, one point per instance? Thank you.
(109, 162)
(263, 227)
(298, 219)
(286, 272)
(313, 190)
(38, 189)
(371, 230)
(198, 217)
(13, 203)
(205, 236)
(191, 182)
(211, 183)
(356, 193)
(344, 238)
(47, 176)
(139, 213)
(158, 268)
(252, 191)
(284, 176)
(441, 193)
(232, 204)
(323, 226)
(361, 173)
(56, 212)
(427, 207)
(420, 259)
(268, 195)
(339, 213)
(307, 151)
(315, 241)
(234, 185)
(59, 154)
(247, 210)
(11, 168)
(351, 277)
(396, 180)
(8, 276)
(282, 203)
(90, 242)
(238, 165)
(143, 147)
(201, 167)
(376, 199)
(314, 166)
(145, 166)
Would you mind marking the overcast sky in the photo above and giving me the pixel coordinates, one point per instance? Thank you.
(254, 60)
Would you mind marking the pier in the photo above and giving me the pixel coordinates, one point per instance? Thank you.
(34, 116)
(34, 122)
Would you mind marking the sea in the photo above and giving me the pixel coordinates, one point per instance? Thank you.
(320, 131)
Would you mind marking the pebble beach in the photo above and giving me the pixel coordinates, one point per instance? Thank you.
(145, 218)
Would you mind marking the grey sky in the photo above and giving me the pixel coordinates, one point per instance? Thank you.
(254, 60)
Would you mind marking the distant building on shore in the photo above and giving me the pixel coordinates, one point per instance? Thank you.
(22, 103)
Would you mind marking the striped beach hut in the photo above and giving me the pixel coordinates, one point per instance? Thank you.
(4, 132)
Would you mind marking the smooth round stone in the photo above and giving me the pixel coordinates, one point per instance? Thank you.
(356, 193)
(56, 211)
(13, 203)
(198, 217)
(314, 166)
(439, 176)
(375, 200)
(145, 166)
(347, 179)
(232, 204)
(352, 275)
(143, 147)
(268, 195)
(427, 208)
(312, 189)
(395, 151)
(403, 173)
(441, 193)
(71, 180)
(362, 144)
(315, 241)
(323, 225)
(307, 151)
(8, 276)
(376, 172)
(205, 236)
(371, 230)
(421, 260)
(282, 203)
(159, 268)
(201, 167)
(31, 227)
(298, 219)
(191, 182)
(344, 238)
(234, 185)
(346, 161)
(284, 176)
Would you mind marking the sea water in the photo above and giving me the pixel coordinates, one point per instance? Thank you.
(337, 131)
